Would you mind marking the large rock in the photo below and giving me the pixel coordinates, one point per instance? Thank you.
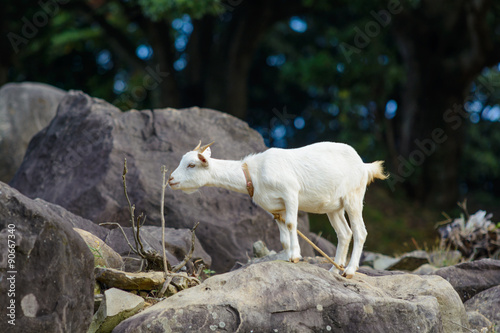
(129, 281)
(77, 162)
(25, 109)
(47, 274)
(283, 297)
(117, 306)
(104, 255)
(486, 303)
(471, 278)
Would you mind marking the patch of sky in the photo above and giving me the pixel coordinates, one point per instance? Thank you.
(184, 27)
(278, 132)
(383, 59)
(474, 118)
(183, 24)
(340, 67)
(390, 109)
(298, 24)
(491, 113)
(144, 52)
(180, 63)
(331, 108)
(299, 123)
(119, 86)
(276, 60)
(475, 106)
(120, 82)
(104, 60)
(181, 43)
(362, 111)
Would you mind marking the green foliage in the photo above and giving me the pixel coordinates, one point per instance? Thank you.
(169, 9)
(481, 159)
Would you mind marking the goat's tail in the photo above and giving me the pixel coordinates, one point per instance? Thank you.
(376, 171)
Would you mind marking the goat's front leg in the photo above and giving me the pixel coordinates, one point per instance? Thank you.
(284, 233)
(291, 214)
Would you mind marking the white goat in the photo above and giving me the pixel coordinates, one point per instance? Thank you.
(324, 177)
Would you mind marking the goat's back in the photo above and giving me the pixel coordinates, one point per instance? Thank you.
(325, 168)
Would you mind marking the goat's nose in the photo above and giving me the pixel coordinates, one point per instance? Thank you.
(171, 178)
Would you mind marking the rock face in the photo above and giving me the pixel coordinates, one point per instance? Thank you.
(471, 278)
(104, 255)
(129, 281)
(486, 303)
(117, 306)
(282, 297)
(50, 274)
(25, 109)
(77, 162)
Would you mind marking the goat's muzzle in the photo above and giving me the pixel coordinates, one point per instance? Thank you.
(171, 182)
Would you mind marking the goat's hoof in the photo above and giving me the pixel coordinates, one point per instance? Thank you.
(295, 260)
(348, 273)
(335, 270)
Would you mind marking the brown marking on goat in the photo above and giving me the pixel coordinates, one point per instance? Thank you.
(278, 217)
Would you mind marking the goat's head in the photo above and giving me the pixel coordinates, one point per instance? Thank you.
(192, 172)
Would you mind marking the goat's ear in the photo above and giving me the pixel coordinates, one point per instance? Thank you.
(207, 152)
(203, 159)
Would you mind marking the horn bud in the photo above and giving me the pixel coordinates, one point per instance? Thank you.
(199, 148)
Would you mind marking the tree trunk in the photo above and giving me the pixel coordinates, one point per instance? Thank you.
(444, 46)
(165, 91)
(231, 52)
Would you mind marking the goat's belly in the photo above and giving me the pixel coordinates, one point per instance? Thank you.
(319, 205)
(272, 205)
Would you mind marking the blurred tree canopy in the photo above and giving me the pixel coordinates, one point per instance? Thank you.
(413, 82)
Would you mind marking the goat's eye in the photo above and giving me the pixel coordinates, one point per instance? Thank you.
(191, 165)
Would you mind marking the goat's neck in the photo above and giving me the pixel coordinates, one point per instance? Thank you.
(228, 175)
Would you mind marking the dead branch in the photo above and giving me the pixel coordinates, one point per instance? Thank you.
(124, 235)
(162, 214)
(190, 253)
(130, 206)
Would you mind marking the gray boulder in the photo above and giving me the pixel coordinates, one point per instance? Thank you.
(479, 322)
(104, 255)
(47, 274)
(471, 278)
(486, 303)
(25, 109)
(77, 162)
(117, 306)
(283, 297)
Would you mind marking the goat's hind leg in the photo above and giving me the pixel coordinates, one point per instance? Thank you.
(354, 208)
(344, 234)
